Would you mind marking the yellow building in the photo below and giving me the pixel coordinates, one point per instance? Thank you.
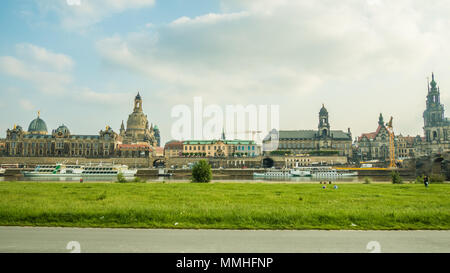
(220, 148)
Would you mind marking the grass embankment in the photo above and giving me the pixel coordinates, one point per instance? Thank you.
(225, 205)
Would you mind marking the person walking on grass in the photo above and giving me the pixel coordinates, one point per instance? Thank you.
(425, 181)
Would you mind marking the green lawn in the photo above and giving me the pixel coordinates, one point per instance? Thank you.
(225, 205)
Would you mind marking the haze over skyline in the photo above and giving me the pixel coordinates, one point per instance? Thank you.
(82, 65)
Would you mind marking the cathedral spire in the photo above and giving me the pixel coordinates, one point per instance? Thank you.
(380, 120)
(433, 82)
(223, 134)
(138, 103)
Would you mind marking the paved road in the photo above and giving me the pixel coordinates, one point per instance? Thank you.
(32, 239)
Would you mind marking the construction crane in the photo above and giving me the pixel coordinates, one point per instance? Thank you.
(390, 130)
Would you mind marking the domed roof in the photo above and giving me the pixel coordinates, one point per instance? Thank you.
(37, 126)
(323, 110)
(63, 129)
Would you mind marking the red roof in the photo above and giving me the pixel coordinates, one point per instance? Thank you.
(174, 144)
(134, 146)
(370, 135)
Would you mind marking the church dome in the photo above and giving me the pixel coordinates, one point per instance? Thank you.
(63, 130)
(323, 110)
(37, 126)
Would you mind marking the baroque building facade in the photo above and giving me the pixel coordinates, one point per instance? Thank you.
(138, 130)
(322, 141)
(375, 145)
(436, 125)
(138, 140)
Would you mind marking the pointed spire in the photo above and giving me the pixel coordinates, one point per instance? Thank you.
(223, 134)
(433, 82)
(380, 120)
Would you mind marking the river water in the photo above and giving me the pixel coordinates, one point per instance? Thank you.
(215, 178)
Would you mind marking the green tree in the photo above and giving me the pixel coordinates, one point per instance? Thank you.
(201, 172)
(396, 179)
(121, 178)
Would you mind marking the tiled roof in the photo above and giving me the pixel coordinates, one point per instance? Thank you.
(130, 146)
(370, 135)
(310, 134)
(229, 142)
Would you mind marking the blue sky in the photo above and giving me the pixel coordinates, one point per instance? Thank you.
(82, 65)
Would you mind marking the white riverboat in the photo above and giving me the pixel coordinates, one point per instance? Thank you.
(2, 171)
(300, 172)
(323, 171)
(274, 173)
(331, 172)
(62, 170)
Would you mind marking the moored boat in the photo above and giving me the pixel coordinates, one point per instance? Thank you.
(274, 173)
(62, 170)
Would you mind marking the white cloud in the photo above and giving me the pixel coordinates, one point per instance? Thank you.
(89, 12)
(47, 81)
(26, 105)
(340, 51)
(45, 57)
(50, 73)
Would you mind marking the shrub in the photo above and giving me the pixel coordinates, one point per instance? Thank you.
(367, 180)
(419, 179)
(138, 180)
(201, 172)
(437, 178)
(121, 178)
(396, 179)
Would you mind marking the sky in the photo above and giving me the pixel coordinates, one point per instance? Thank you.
(81, 62)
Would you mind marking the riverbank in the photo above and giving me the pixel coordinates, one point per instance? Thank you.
(226, 205)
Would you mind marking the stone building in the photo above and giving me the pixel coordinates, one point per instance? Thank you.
(322, 141)
(2, 146)
(375, 145)
(60, 143)
(137, 140)
(221, 148)
(138, 129)
(436, 125)
(405, 146)
(173, 148)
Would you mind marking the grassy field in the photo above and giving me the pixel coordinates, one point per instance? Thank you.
(225, 205)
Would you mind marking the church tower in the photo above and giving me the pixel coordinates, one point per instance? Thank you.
(381, 120)
(324, 125)
(137, 125)
(433, 115)
(122, 130)
(138, 104)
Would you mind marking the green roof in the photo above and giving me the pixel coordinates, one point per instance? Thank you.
(311, 134)
(229, 142)
(37, 125)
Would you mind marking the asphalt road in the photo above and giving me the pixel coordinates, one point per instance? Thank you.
(55, 240)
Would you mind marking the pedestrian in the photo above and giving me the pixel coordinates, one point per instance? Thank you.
(335, 187)
(81, 180)
(425, 181)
